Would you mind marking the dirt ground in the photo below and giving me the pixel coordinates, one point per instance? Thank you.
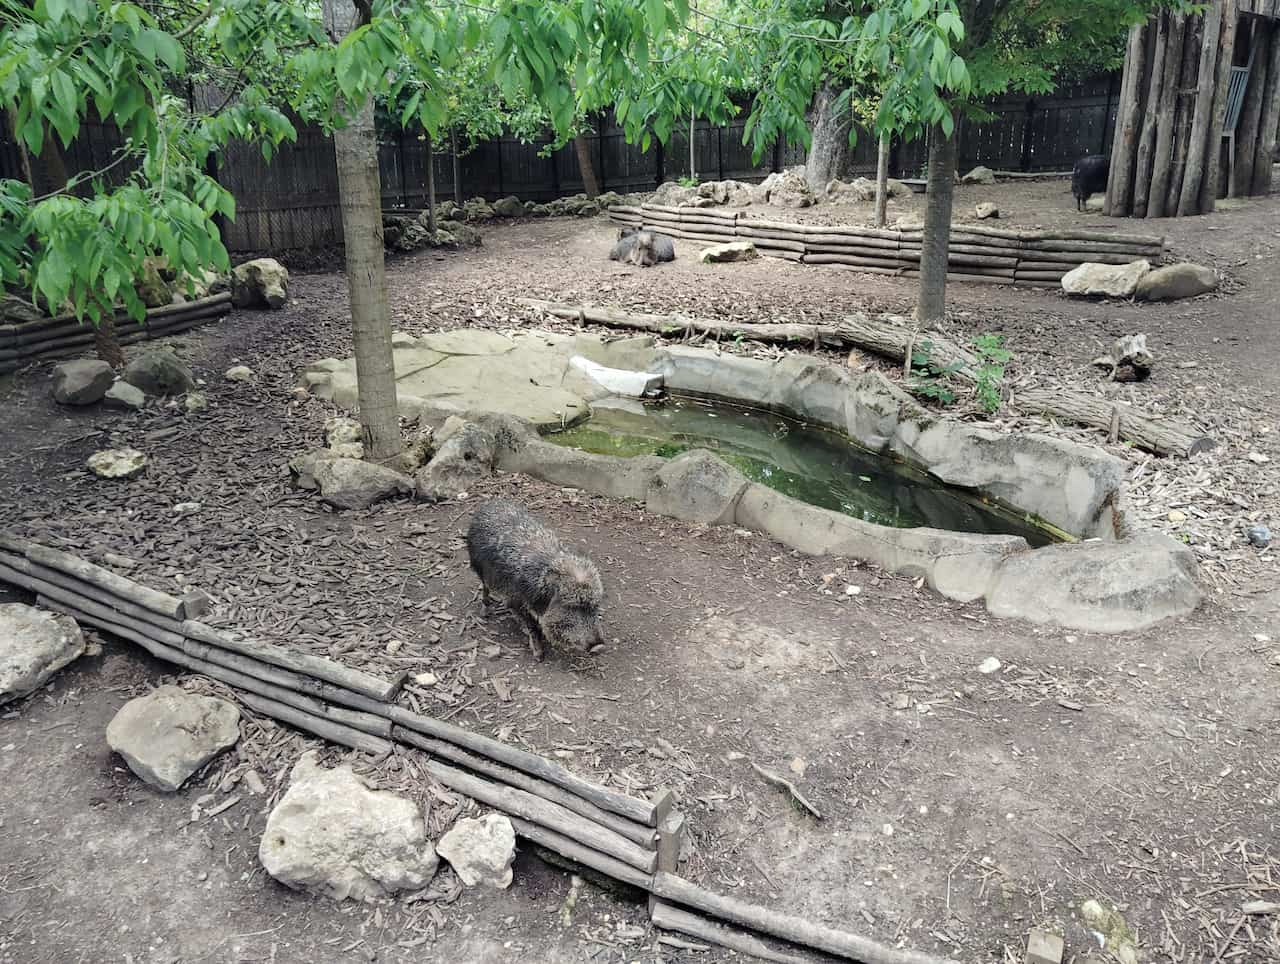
(959, 809)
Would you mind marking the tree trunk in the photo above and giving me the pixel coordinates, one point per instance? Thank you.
(693, 154)
(828, 155)
(1120, 181)
(583, 150)
(1198, 146)
(1251, 110)
(431, 187)
(1166, 111)
(356, 147)
(1150, 118)
(1264, 156)
(457, 178)
(882, 181)
(1222, 82)
(1186, 109)
(106, 344)
(932, 301)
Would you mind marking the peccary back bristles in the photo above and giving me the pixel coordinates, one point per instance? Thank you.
(642, 248)
(557, 591)
(1089, 177)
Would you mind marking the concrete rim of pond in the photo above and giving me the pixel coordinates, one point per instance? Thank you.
(1113, 580)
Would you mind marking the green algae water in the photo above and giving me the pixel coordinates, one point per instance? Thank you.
(798, 460)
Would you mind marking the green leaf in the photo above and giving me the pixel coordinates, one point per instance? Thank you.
(656, 14)
(55, 9)
(168, 49)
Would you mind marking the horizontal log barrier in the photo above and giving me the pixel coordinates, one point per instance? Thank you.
(1154, 435)
(1050, 254)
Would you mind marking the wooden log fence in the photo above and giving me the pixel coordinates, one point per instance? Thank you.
(632, 841)
(977, 252)
(64, 335)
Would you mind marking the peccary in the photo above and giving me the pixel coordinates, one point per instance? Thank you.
(555, 591)
(1089, 176)
(642, 248)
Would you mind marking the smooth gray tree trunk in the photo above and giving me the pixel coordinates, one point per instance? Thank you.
(931, 303)
(360, 196)
(431, 186)
(882, 182)
(828, 155)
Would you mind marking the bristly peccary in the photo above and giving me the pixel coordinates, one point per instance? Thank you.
(555, 591)
(642, 248)
(1088, 177)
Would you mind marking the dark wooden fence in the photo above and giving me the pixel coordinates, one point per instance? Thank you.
(292, 201)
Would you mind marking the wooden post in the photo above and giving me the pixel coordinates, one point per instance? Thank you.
(603, 176)
(1251, 110)
(1024, 161)
(1150, 116)
(1106, 117)
(1120, 182)
(1202, 118)
(1166, 111)
(498, 146)
(431, 186)
(1222, 82)
(457, 180)
(1264, 154)
(660, 163)
(1191, 38)
(720, 151)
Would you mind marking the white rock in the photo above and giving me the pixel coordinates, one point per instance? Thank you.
(988, 666)
(347, 450)
(196, 402)
(34, 644)
(616, 380)
(262, 282)
(123, 395)
(332, 834)
(117, 463)
(239, 373)
(169, 734)
(480, 851)
(986, 209)
(1105, 280)
(979, 175)
(186, 508)
(341, 430)
(728, 252)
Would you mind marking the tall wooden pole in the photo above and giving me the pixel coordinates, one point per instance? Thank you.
(1150, 117)
(1251, 110)
(1186, 108)
(1123, 149)
(1265, 153)
(1166, 109)
(1222, 83)
(1198, 146)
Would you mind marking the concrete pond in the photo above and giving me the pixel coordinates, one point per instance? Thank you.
(822, 459)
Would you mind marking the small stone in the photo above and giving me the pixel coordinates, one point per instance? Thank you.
(887, 830)
(348, 450)
(1044, 947)
(426, 679)
(117, 463)
(394, 646)
(988, 666)
(901, 701)
(1259, 536)
(340, 430)
(852, 590)
(123, 395)
(81, 382)
(239, 373)
(169, 734)
(1257, 458)
(186, 508)
(34, 644)
(1176, 517)
(728, 252)
(986, 210)
(253, 783)
(798, 766)
(196, 402)
(480, 851)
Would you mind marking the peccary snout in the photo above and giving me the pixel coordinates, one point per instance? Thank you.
(555, 591)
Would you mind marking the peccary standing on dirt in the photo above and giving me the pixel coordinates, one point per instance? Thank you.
(1089, 176)
(642, 248)
(555, 591)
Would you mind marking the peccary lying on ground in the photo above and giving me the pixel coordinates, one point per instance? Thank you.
(1089, 176)
(555, 591)
(642, 248)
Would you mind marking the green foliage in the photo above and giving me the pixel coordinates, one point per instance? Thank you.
(687, 181)
(929, 377)
(989, 374)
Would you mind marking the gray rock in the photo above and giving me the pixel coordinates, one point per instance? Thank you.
(465, 453)
(1259, 536)
(481, 851)
(159, 372)
(985, 210)
(588, 209)
(331, 834)
(1105, 280)
(239, 373)
(447, 211)
(786, 189)
(123, 395)
(462, 233)
(1105, 587)
(81, 382)
(672, 193)
(34, 644)
(117, 463)
(1183, 280)
(979, 175)
(16, 310)
(477, 209)
(728, 252)
(342, 430)
(169, 734)
(696, 486)
(260, 283)
(538, 211)
(351, 484)
(196, 402)
(302, 467)
(508, 207)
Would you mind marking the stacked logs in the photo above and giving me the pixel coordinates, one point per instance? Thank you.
(632, 841)
(976, 253)
(1167, 158)
(64, 335)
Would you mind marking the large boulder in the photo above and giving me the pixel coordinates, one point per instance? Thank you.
(673, 193)
(728, 252)
(734, 193)
(169, 734)
(81, 382)
(351, 484)
(786, 189)
(461, 233)
(331, 834)
(159, 372)
(1183, 280)
(34, 644)
(464, 455)
(481, 851)
(979, 175)
(477, 209)
(260, 283)
(508, 207)
(1105, 280)
(696, 487)
(1104, 587)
